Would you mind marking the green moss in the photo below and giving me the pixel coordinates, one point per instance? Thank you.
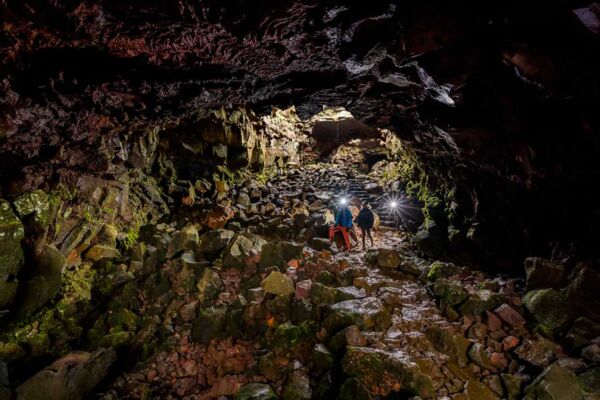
(435, 271)
(130, 238)
(123, 320)
(11, 351)
(117, 340)
(78, 283)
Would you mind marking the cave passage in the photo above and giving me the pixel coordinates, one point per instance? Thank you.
(177, 179)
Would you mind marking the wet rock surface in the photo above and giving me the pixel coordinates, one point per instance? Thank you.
(269, 308)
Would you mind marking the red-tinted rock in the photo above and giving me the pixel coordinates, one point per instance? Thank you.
(510, 316)
(510, 342)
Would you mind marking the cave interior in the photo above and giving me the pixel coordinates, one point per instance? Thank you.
(172, 174)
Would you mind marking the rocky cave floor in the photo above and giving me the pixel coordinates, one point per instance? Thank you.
(252, 302)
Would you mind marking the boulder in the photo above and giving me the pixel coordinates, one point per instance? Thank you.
(555, 383)
(440, 269)
(549, 308)
(385, 372)
(278, 284)
(185, 239)
(209, 285)
(244, 200)
(322, 358)
(241, 249)
(256, 391)
(213, 242)
(480, 302)
(475, 390)
(71, 377)
(349, 336)
(291, 340)
(210, 324)
(591, 353)
(322, 294)
(510, 316)
(353, 389)
(368, 313)
(449, 342)
(297, 387)
(303, 289)
(320, 244)
(451, 292)
(11, 253)
(479, 356)
(46, 281)
(539, 351)
(591, 379)
(279, 253)
(581, 333)
(101, 252)
(582, 292)
(388, 258)
(514, 385)
(542, 273)
(37, 203)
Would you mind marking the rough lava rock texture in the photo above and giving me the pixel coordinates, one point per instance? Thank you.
(498, 99)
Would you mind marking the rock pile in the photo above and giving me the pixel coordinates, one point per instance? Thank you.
(261, 306)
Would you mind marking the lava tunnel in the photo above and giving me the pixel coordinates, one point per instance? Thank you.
(298, 200)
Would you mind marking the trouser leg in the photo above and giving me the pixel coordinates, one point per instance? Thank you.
(370, 237)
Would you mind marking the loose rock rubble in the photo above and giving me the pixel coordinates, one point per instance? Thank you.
(266, 308)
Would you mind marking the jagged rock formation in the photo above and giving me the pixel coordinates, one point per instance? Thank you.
(504, 142)
(123, 122)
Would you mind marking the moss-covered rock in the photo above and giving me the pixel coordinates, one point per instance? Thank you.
(439, 269)
(384, 373)
(256, 391)
(476, 390)
(37, 203)
(11, 352)
(555, 383)
(278, 284)
(288, 338)
(321, 294)
(451, 292)
(549, 308)
(11, 253)
(101, 252)
(480, 302)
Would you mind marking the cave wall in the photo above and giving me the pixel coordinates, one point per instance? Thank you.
(494, 102)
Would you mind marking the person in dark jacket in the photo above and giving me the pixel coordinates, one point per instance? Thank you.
(365, 221)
